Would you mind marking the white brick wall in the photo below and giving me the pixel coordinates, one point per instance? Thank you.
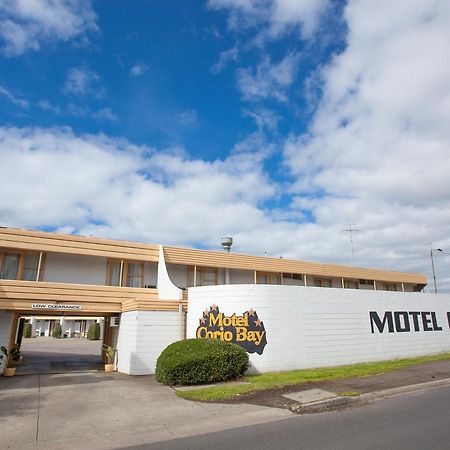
(317, 327)
(5, 329)
(143, 335)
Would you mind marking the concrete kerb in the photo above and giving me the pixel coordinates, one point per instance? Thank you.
(338, 401)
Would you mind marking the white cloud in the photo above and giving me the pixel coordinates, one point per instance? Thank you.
(46, 105)
(104, 114)
(224, 58)
(54, 178)
(264, 118)
(82, 81)
(188, 117)
(14, 99)
(28, 24)
(137, 70)
(272, 18)
(268, 80)
(378, 149)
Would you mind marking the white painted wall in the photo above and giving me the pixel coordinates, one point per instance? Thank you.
(167, 290)
(78, 269)
(5, 329)
(317, 327)
(143, 335)
(178, 274)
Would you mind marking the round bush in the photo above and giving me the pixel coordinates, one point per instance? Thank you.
(199, 361)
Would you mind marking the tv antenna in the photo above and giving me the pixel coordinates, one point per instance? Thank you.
(351, 230)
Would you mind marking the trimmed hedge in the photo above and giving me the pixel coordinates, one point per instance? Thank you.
(57, 331)
(93, 333)
(200, 361)
(27, 330)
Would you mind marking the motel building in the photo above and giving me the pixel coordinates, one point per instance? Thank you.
(287, 314)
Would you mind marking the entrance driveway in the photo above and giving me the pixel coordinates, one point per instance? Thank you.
(49, 355)
(99, 410)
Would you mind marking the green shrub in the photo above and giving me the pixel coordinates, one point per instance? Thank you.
(57, 331)
(199, 361)
(94, 332)
(27, 330)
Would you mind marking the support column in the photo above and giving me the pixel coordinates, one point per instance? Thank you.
(13, 331)
(181, 323)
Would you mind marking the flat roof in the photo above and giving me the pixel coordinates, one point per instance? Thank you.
(83, 245)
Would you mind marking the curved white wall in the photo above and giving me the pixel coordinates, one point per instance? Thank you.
(316, 327)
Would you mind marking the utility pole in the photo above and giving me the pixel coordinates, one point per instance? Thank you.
(351, 230)
(432, 264)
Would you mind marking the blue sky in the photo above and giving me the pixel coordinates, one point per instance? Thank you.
(278, 122)
(152, 74)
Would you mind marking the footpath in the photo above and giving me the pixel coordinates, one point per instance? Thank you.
(96, 410)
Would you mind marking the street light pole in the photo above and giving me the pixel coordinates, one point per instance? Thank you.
(432, 264)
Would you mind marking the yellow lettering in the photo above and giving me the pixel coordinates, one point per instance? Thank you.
(228, 336)
(201, 330)
(241, 334)
(215, 320)
(259, 337)
(227, 321)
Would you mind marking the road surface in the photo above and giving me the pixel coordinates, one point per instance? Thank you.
(414, 421)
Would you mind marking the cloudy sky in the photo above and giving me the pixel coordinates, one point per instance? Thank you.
(278, 122)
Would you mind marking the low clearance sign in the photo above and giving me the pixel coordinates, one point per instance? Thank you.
(407, 321)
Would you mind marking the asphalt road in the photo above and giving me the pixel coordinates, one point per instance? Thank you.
(415, 421)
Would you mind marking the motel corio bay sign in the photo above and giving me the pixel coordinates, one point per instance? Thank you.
(246, 331)
(55, 307)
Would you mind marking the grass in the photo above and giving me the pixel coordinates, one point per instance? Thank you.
(348, 394)
(275, 380)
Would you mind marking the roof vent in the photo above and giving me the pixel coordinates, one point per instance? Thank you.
(227, 242)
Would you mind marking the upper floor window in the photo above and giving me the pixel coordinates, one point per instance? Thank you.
(293, 276)
(17, 265)
(390, 287)
(204, 276)
(267, 278)
(351, 284)
(125, 273)
(134, 274)
(322, 282)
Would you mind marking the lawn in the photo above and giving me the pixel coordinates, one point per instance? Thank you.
(297, 377)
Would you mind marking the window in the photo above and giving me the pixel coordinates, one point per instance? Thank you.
(205, 276)
(267, 278)
(293, 276)
(132, 273)
(10, 266)
(18, 265)
(322, 282)
(390, 287)
(351, 284)
(30, 267)
(113, 278)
